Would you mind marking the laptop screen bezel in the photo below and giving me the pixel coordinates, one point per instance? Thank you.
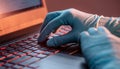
(21, 10)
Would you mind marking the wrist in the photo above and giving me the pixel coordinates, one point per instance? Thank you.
(111, 23)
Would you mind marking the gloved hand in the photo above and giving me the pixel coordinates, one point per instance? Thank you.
(78, 20)
(101, 48)
(54, 20)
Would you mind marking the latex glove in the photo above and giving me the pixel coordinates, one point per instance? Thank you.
(101, 48)
(78, 20)
(54, 20)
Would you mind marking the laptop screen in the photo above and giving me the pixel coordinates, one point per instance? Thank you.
(12, 6)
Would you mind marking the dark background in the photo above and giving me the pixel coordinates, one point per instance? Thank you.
(100, 7)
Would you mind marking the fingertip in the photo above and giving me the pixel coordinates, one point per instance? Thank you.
(39, 39)
(84, 34)
(57, 41)
(50, 42)
(103, 29)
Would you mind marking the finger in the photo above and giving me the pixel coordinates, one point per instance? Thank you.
(84, 37)
(50, 16)
(92, 31)
(84, 34)
(50, 27)
(61, 40)
(103, 30)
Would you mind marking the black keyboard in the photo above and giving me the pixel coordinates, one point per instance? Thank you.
(26, 53)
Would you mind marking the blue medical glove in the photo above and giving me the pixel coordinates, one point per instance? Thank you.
(54, 20)
(78, 20)
(101, 48)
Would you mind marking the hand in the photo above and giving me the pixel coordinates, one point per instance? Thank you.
(101, 48)
(54, 20)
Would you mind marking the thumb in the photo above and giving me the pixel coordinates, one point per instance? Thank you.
(61, 40)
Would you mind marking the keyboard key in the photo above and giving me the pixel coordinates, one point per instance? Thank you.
(2, 48)
(12, 46)
(9, 68)
(27, 41)
(33, 39)
(7, 54)
(33, 54)
(21, 59)
(47, 53)
(26, 50)
(17, 67)
(38, 51)
(32, 44)
(21, 43)
(2, 67)
(37, 46)
(71, 48)
(20, 54)
(36, 35)
(9, 48)
(41, 56)
(27, 62)
(36, 42)
(1, 63)
(2, 57)
(20, 48)
(9, 59)
(27, 68)
(33, 48)
(8, 64)
(11, 51)
(26, 46)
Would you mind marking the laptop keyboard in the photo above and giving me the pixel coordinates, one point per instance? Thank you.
(26, 53)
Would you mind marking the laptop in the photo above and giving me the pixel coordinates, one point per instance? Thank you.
(20, 21)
